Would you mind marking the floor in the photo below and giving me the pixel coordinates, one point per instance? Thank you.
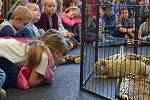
(64, 87)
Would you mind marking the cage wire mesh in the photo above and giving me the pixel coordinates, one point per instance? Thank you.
(114, 66)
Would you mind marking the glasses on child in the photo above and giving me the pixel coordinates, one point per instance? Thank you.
(25, 23)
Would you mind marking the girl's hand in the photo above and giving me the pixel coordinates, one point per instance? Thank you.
(123, 30)
(77, 20)
(70, 35)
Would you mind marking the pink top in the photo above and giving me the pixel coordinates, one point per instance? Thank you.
(45, 68)
(68, 21)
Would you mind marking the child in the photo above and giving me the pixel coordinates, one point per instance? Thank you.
(108, 18)
(144, 30)
(21, 16)
(40, 57)
(70, 19)
(93, 7)
(144, 8)
(89, 22)
(31, 31)
(126, 26)
(50, 20)
(14, 5)
(2, 80)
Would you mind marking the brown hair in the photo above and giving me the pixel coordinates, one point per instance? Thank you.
(22, 12)
(34, 53)
(51, 39)
(73, 8)
(54, 40)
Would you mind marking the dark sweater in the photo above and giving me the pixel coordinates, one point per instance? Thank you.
(44, 22)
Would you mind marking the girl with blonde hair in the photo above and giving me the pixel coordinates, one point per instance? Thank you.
(40, 57)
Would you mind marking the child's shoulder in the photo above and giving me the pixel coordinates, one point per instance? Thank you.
(7, 25)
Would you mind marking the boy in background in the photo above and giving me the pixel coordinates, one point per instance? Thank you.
(144, 30)
(31, 31)
(21, 16)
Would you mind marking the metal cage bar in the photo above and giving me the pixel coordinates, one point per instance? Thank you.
(121, 59)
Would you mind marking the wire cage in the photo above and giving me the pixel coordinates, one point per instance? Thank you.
(114, 67)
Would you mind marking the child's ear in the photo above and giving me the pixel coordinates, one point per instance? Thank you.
(16, 18)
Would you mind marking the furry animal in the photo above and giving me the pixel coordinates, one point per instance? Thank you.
(122, 65)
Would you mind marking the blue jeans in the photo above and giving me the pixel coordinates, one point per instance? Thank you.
(11, 71)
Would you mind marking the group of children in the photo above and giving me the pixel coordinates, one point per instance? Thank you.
(33, 40)
(36, 34)
(122, 23)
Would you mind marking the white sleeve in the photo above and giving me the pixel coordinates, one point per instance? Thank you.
(42, 67)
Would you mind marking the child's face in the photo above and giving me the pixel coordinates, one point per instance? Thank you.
(72, 14)
(19, 23)
(36, 13)
(87, 11)
(57, 56)
(125, 14)
(50, 7)
(108, 11)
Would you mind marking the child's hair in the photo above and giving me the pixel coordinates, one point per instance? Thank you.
(123, 9)
(22, 12)
(31, 5)
(107, 5)
(34, 53)
(46, 1)
(52, 39)
(73, 8)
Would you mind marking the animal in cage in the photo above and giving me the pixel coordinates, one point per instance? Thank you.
(122, 65)
(131, 88)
